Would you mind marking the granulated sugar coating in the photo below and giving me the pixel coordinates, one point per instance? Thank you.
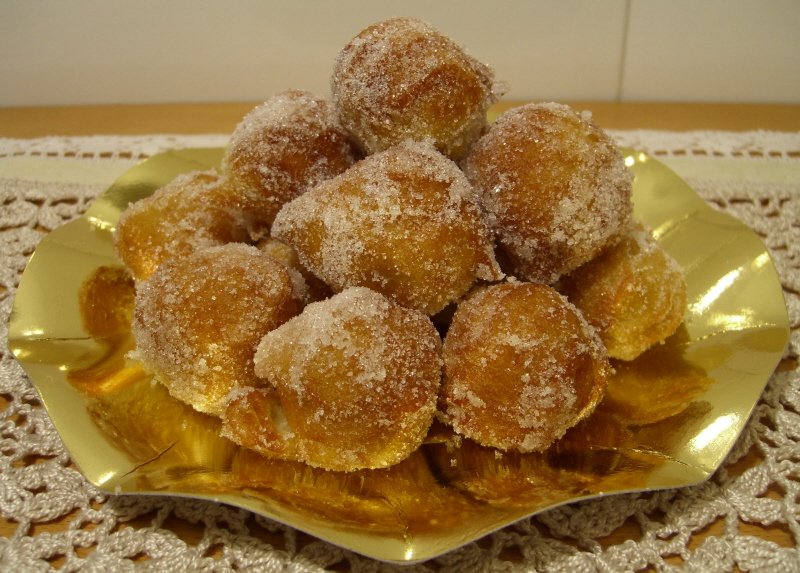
(352, 383)
(313, 341)
(193, 211)
(555, 188)
(198, 319)
(281, 148)
(633, 293)
(404, 222)
(521, 367)
(401, 79)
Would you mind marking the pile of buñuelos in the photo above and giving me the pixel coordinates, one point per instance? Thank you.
(362, 266)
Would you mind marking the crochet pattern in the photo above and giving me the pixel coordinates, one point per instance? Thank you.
(754, 176)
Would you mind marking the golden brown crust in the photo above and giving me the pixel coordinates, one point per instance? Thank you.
(352, 382)
(106, 302)
(401, 79)
(281, 148)
(554, 186)
(198, 320)
(521, 367)
(634, 294)
(307, 284)
(193, 211)
(403, 222)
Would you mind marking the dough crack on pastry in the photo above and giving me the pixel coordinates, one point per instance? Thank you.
(308, 286)
(351, 383)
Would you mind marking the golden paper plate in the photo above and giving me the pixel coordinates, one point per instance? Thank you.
(671, 418)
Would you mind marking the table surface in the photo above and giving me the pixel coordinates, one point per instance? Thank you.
(202, 118)
(197, 118)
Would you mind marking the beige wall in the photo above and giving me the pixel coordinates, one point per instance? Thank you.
(93, 51)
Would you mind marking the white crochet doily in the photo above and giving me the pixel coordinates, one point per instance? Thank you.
(715, 526)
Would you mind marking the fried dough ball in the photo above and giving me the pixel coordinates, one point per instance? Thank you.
(281, 148)
(307, 285)
(353, 382)
(555, 188)
(401, 79)
(198, 319)
(521, 367)
(403, 222)
(193, 211)
(634, 294)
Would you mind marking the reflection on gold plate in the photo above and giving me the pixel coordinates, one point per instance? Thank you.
(669, 419)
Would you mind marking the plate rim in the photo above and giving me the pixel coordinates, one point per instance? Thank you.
(96, 216)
